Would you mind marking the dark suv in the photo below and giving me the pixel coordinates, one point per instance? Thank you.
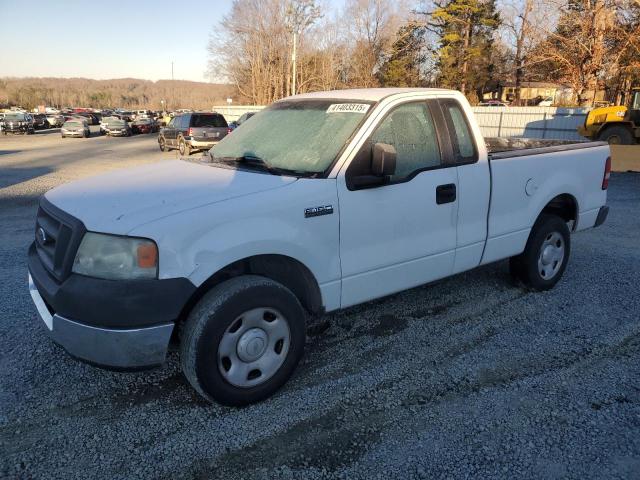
(193, 131)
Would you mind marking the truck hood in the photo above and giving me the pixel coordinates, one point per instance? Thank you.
(120, 201)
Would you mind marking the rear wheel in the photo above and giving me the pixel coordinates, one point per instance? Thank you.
(243, 340)
(617, 135)
(546, 254)
(162, 144)
(184, 148)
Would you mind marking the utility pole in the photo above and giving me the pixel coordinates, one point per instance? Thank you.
(172, 70)
(293, 61)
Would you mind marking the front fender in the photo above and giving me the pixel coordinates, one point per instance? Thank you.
(198, 243)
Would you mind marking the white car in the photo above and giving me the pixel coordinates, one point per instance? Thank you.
(329, 200)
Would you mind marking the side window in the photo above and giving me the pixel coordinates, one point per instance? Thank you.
(464, 147)
(410, 129)
(172, 123)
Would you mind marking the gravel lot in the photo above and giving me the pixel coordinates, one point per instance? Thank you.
(470, 377)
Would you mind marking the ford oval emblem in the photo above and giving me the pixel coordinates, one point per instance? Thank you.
(42, 235)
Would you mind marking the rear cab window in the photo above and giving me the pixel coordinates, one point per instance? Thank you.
(462, 141)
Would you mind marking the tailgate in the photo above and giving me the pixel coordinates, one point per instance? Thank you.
(209, 133)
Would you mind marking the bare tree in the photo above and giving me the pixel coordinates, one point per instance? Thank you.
(592, 41)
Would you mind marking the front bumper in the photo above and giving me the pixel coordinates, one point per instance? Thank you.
(108, 347)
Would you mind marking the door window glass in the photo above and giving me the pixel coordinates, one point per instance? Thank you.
(410, 129)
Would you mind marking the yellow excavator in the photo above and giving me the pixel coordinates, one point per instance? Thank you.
(617, 125)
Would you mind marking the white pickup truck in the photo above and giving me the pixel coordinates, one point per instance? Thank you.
(318, 202)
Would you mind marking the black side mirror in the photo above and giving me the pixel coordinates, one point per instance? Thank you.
(383, 160)
(383, 166)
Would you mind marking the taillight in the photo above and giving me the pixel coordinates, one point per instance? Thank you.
(607, 174)
(229, 130)
(190, 132)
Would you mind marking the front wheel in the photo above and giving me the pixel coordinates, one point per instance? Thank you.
(546, 254)
(162, 144)
(243, 340)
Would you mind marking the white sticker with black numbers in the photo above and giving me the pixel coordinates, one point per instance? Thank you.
(348, 108)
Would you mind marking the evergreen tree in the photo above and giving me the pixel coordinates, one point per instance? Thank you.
(465, 29)
(402, 68)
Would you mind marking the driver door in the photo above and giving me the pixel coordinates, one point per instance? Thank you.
(402, 234)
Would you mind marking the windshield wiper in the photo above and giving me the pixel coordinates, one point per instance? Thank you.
(261, 163)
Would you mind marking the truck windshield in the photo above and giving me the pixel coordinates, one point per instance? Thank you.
(296, 135)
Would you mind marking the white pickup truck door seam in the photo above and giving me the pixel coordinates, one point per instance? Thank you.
(396, 236)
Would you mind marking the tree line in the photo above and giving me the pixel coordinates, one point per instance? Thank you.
(470, 45)
(128, 93)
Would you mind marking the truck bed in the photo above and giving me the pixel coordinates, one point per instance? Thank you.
(527, 177)
(502, 147)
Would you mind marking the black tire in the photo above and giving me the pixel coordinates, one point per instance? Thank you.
(534, 267)
(212, 318)
(162, 144)
(184, 148)
(617, 135)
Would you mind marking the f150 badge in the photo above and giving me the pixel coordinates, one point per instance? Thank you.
(317, 211)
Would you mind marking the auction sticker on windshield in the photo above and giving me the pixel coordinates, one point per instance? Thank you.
(348, 108)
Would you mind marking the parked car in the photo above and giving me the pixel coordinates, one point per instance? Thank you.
(144, 125)
(191, 132)
(40, 121)
(104, 123)
(331, 199)
(243, 118)
(90, 118)
(126, 116)
(118, 128)
(55, 120)
(17, 123)
(75, 128)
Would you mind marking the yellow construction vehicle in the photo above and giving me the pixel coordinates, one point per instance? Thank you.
(616, 125)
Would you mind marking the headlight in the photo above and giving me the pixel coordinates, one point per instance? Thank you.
(116, 258)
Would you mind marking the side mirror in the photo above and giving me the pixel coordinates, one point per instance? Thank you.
(383, 160)
(383, 166)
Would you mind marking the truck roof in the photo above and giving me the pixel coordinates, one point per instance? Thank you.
(367, 94)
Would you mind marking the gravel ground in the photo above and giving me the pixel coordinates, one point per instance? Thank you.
(470, 377)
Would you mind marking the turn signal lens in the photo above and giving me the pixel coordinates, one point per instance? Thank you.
(147, 255)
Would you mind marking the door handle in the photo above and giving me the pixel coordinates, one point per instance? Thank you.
(446, 193)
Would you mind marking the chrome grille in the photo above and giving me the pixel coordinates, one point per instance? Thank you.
(57, 236)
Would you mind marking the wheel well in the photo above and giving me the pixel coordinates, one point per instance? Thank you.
(565, 206)
(285, 270)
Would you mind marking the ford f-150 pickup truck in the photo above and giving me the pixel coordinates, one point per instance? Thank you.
(319, 202)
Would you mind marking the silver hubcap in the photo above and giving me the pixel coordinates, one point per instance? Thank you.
(551, 255)
(254, 347)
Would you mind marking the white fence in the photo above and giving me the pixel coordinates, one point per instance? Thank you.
(530, 122)
(524, 122)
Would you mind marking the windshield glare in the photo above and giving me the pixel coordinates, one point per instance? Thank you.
(14, 118)
(303, 135)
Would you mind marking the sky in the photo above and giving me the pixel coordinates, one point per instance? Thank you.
(109, 38)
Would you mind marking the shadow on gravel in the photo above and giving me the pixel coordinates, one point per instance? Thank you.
(13, 176)
(9, 152)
